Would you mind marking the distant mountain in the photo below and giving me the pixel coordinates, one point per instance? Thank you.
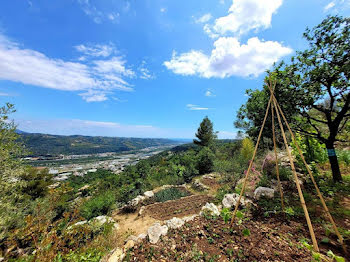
(20, 132)
(44, 144)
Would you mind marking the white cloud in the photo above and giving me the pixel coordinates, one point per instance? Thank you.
(207, 29)
(209, 93)
(329, 6)
(97, 15)
(163, 10)
(246, 15)
(96, 50)
(144, 72)
(5, 94)
(196, 107)
(203, 19)
(95, 78)
(229, 58)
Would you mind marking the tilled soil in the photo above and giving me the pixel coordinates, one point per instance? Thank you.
(212, 240)
(177, 208)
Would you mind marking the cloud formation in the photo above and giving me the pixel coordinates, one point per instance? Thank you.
(97, 15)
(229, 58)
(196, 107)
(96, 50)
(209, 93)
(203, 19)
(95, 78)
(246, 15)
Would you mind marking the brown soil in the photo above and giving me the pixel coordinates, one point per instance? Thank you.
(213, 240)
(131, 224)
(177, 208)
(212, 183)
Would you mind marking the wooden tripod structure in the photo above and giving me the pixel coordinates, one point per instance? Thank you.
(275, 108)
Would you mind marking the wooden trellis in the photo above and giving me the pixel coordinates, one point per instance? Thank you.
(275, 108)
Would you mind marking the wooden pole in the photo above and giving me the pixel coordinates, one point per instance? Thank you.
(276, 158)
(302, 200)
(341, 240)
(251, 162)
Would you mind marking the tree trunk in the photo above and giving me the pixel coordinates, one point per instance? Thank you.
(333, 160)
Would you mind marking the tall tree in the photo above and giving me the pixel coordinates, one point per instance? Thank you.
(205, 133)
(313, 90)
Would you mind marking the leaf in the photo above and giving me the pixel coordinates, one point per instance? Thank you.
(339, 259)
(246, 232)
(239, 214)
(325, 240)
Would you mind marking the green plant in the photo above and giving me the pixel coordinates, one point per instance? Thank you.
(226, 214)
(170, 194)
(336, 258)
(99, 205)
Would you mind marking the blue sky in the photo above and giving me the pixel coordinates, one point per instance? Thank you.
(144, 68)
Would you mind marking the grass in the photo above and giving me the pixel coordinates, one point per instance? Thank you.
(170, 194)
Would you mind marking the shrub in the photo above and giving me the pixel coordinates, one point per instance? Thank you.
(99, 205)
(170, 194)
(206, 161)
(247, 149)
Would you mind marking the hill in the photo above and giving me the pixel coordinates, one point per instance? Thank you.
(45, 144)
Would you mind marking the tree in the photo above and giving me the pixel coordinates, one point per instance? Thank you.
(205, 161)
(11, 170)
(205, 133)
(313, 90)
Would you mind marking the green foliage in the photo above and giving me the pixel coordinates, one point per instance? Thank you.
(246, 232)
(44, 144)
(336, 258)
(226, 214)
(91, 255)
(311, 148)
(170, 194)
(99, 205)
(247, 149)
(12, 202)
(312, 90)
(205, 133)
(205, 161)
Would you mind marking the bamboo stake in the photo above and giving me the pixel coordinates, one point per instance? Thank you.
(302, 200)
(274, 147)
(341, 240)
(251, 162)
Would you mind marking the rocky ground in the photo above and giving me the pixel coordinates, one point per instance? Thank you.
(192, 228)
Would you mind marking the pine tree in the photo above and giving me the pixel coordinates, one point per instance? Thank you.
(205, 133)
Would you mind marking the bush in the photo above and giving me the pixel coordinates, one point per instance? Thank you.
(205, 161)
(170, 194)
(99, 205)
(247, 149)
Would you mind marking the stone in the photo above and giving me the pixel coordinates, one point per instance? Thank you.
(264, 192)
(230, 200)
(189, 218)
(117, 256)
(100, 220)
(142, 210)
(148, 194)
(210, 209)
(80, 223)
(175, 223)
(155, 231)
(199, 185)
(129, 244)
(141, 236)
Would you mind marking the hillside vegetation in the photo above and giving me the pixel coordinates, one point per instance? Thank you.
(44, 144)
